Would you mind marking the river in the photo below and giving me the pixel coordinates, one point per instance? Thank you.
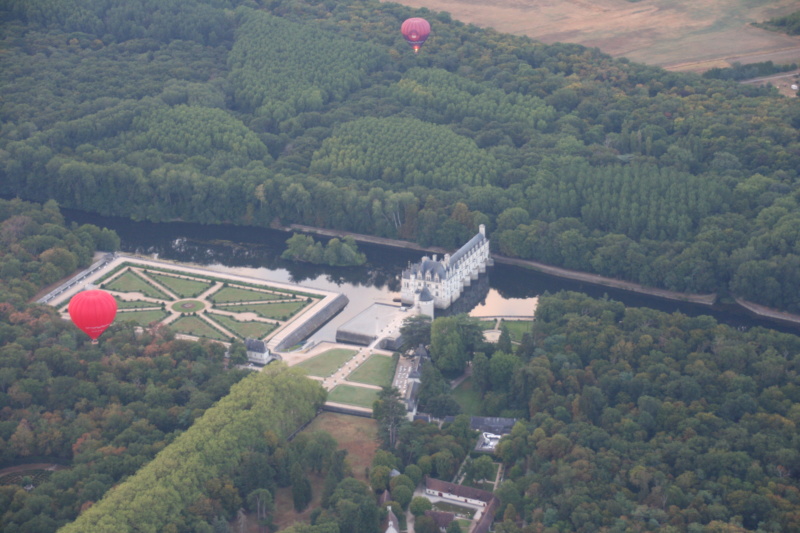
(507, 291)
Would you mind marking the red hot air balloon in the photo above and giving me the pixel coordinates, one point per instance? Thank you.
(92, 311)
(415, 31)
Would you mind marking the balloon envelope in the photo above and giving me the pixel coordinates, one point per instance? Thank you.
(415, 31)
(93, 311)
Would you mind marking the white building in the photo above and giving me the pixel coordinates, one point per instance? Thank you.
(258, 353)
(444, 279)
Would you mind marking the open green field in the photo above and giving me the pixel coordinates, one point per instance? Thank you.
(377, 370)
(516, 328)
(236, 294)
(192, 325)
(143, 318)
(132, 282)
(277, 311)
(185, 288)
(349, 394)
(326, 363)
(468, 398)
(245, 330)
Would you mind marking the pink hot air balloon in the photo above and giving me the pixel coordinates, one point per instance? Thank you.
(415, 31)
(93, 311)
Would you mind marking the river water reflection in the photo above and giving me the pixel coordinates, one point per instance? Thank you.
(255, 252)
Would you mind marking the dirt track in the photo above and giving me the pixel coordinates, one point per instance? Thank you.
(692, 35)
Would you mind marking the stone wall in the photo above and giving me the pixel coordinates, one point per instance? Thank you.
(313, 323)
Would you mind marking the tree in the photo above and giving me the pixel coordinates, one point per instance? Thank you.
(416, 331)
(425, 524)
(481, 468)
(390, 412)
(379, 478)
(301, 487)
(420, 504)
(260, 501)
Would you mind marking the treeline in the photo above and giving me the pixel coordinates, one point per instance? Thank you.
(789, 24)
(307, 112)
(36, 249)
(750, 70)
(637, 419)
(171, 492)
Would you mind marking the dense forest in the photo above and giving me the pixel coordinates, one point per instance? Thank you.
(307, 111)
(187, 444)
(629, 419)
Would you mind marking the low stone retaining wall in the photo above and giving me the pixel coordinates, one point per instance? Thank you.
(313, 323)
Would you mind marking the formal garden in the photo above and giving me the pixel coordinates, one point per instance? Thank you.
(200, 305)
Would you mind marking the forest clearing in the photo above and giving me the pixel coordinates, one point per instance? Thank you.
(678, 35)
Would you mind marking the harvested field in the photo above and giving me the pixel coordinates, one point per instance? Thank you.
(685, 35)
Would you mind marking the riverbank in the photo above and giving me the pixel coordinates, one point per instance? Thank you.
(585, 277)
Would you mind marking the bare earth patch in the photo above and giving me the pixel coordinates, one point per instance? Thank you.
(690, 35)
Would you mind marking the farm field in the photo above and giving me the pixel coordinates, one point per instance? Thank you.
(684, 35)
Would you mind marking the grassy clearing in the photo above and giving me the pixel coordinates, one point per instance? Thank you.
(245, 330)
(277, 311)
(468, 398)
(351, 395)
(192, 325)
(516, 328)
(132, 282)
(185, 288)
(143, 318)
(356, 434)
(235, 294)
(377, 370)
(326, 363)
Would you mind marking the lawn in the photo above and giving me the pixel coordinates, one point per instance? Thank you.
(134, 304)
(452, 508)
(326, 363)
(468, 398)
(277, 311)
(185, 288)
(377, 370)
(132, 282)
(228, 295)
(516, 328)
(245, 330)
(143, 318)
(464, 524)
(192, 325)
(349, 394)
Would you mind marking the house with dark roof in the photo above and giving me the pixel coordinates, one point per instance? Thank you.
(492, 424)
(258, 353)
(442, 280)
(393, 526)
(486, 501)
